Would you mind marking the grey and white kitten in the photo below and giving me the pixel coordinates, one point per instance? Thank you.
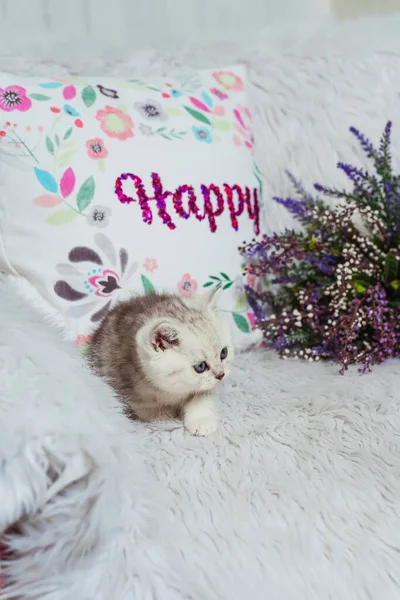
(164, 356)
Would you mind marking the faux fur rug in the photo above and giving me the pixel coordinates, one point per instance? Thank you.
(297, 497)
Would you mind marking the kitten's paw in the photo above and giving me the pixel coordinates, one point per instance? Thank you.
(201, 424)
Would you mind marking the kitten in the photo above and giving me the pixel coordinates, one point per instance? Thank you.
(165, 355)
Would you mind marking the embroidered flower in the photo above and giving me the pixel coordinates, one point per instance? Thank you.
(108, 92)
(69, 92)
(251, 280)
(70, 110)
(14, 97)
(150, 265)
(251, 318)
(151, 110)
(187, 286)
(203, 134)
(219, 111)
(146, 129)
(115, 123)
(99, 216)
(176, 93)
(83, 340)
(219, 94)
(96, 149)
(94, 278)
(229, 80)
(242, 125)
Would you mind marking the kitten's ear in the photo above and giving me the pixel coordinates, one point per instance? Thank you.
(163, 337)
(211, 298)
(208, 299)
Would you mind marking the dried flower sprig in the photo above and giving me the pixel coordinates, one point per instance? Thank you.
(332, 291)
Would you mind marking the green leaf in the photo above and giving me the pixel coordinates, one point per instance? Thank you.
(65, 158)
(131, 86)
(313, 242)
(362, 282)
(225, 276)
(49, 145)
(215, 278)
(222, 125)
(85, 194)
(208, 284)
(197, 115)
(147, 285)
(241, 302)
(391, 268)
(241, 322)
(175, 112)
(61, 217)
(57, 139)
(101, 163)
(360, 286)
(68, 133)
(88, 96)
(39, 97)
(395, 284)
(227, 285)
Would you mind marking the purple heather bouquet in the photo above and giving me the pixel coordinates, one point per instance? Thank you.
(333, 290)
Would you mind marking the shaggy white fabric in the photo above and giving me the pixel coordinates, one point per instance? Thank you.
(92, 522)
(298, 495)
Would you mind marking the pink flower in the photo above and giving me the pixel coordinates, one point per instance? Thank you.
(83, 339)
(219, 111)
(187, 286)
(229, 80)
(150, 264)
(251, 318)
(242, 126)
(69, 92)
(96, 149)
(236, 139)
(115, 123)
(14, 97)
(218, 93)
(251, 280)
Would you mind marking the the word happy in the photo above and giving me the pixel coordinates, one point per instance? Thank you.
(214, 201)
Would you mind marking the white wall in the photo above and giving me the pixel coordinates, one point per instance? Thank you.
(145, 22)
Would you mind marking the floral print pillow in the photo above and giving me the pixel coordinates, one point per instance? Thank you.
(110, 188)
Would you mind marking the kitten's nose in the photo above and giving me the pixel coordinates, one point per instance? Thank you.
(220, 375)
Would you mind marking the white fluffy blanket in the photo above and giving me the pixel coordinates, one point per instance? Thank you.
(91, 522)
(297, 497)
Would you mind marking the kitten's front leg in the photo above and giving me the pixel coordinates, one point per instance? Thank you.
(199, 415)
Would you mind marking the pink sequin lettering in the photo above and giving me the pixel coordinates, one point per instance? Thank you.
(214, 201)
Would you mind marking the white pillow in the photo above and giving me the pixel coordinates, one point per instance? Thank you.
(111, 187)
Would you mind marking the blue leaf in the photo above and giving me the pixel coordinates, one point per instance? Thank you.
(207, 99)
(52, 85)
(46, 180)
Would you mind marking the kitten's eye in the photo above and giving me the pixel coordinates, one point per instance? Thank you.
(224, 353)
(201, 367)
